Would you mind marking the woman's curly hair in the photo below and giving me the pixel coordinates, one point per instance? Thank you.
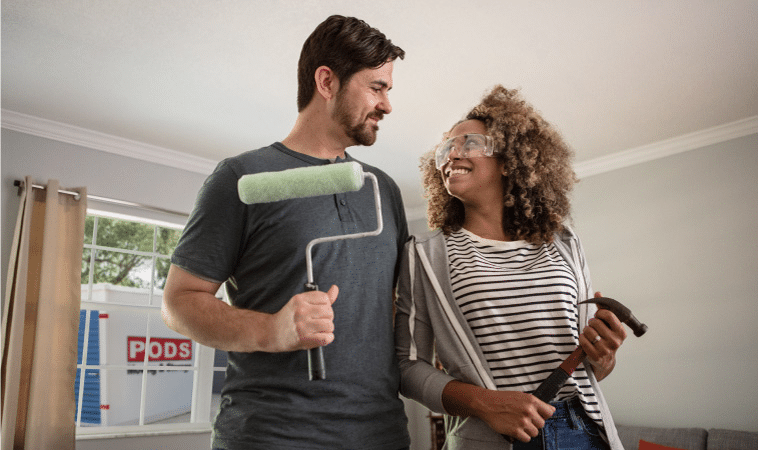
(539, 176)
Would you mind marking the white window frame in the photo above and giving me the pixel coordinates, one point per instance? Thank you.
(203, 367)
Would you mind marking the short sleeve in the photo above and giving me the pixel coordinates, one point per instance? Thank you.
(210, 244)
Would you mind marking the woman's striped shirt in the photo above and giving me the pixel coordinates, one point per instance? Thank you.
(520, 301)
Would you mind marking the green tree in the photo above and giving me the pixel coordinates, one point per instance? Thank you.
(115, 266)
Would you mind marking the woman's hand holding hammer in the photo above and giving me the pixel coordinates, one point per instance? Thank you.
(600, 339)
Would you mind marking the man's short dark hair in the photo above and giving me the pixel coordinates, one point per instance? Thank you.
(346, 45)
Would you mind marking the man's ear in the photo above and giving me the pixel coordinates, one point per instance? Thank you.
(327, 83)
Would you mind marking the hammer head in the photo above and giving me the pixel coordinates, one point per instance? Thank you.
(621, 311)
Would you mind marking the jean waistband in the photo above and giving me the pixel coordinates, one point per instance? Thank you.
(564, 408)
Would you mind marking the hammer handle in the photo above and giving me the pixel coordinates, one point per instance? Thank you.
(553, 383)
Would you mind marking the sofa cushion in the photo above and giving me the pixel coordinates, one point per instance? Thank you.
(684, 438)
(719, 439)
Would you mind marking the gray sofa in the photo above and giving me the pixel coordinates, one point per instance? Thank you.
(688, 438)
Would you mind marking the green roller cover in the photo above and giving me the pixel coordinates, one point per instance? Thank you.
(302, 182)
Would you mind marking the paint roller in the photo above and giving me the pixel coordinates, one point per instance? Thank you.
(303, 182)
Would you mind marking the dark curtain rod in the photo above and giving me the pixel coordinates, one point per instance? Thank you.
(113, 201)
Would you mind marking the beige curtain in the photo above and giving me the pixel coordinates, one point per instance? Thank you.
(41, 320)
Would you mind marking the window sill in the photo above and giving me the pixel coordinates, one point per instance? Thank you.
(139, 431)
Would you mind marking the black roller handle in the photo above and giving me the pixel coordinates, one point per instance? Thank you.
(316, 364)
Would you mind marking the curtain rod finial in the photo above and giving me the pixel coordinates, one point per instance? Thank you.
(20, 185)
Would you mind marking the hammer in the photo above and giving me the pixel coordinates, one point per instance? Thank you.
(552, 384)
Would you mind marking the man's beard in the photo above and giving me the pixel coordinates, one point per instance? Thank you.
(363, 133)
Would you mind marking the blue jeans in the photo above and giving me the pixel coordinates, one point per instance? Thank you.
(568, 429)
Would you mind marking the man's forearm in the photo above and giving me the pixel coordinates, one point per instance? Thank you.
(191, 308)
(212, 322)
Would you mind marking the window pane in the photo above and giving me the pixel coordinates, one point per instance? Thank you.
(93, 341)
(122, 342)
(169, 392)
(86, 256)
(120, 333)
(122, 269)
(169, 395)
(166, 240)
(89, 226)
(161, 272)
(166, 347)
(124, 234)
(120, 396)
(90, 397)
(117, 343)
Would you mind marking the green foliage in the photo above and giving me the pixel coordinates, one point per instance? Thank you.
(114, 266)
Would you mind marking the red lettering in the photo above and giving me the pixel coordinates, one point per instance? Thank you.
(185, 350)
(161, 349)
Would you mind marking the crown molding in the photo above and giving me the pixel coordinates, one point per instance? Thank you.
(160, 155)
(71, 134)
(668, 147)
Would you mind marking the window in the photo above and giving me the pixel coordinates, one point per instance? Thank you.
(138, 376)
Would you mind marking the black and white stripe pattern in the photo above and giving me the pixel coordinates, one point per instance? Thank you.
(519, 299)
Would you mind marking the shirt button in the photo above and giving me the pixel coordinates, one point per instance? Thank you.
(343, 202)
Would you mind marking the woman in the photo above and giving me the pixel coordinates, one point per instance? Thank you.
(494, 290)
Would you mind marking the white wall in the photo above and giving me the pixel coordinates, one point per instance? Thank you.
(676, 240)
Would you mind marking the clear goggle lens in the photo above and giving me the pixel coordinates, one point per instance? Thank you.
(465, 146)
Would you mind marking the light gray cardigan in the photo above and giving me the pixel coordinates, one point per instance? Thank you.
(426, 311)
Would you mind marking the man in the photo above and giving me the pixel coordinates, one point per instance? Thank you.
(344, 76)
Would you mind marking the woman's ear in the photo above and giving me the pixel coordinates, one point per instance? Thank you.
(326, 82)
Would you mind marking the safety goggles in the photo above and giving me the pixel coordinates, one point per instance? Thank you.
(466, 146)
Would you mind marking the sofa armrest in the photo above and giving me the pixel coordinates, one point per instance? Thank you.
(719, 439)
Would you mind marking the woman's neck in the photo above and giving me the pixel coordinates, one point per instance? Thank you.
(486, 222)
